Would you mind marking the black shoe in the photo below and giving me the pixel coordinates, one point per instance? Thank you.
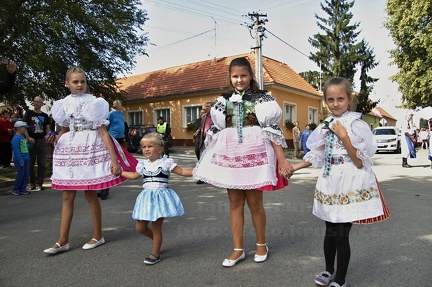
(104, 193)
(406, 165)
(200, 182)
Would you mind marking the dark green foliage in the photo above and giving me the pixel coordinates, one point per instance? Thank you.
(339, 54)
(47, 37)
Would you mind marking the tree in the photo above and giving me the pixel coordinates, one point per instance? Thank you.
(338, 51)
(410, 24)
(47, 37)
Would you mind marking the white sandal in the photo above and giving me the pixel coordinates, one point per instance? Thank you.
(261, 258)
(232, 262)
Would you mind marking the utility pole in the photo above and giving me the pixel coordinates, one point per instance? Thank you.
(258, 27)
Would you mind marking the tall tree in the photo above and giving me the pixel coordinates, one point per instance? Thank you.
(45, 37)
(410, 25)
(338, 51)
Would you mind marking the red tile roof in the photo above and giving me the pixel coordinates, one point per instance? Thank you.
(380, 112)
(206, 76)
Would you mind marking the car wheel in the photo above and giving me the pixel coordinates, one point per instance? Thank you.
(398, 149)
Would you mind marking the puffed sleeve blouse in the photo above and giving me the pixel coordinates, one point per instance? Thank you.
(265, 108)
(84, 110)
(358, 131)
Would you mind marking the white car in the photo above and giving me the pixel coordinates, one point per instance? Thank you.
(387, 139)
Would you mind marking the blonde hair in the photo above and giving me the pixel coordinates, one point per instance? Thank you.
(74, 70)
(153, 137)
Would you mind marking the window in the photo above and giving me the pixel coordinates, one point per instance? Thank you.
(165, 113)
(135, 118)
(190, 114)
(313, 116)
(289, 112)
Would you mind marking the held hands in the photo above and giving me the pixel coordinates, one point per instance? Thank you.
(285, 168)
(116, 169)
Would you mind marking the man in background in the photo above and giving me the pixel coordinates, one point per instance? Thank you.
(39, 126)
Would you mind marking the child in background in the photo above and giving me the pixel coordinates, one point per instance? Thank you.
(21, 158)
(85, 156)
(303, 138)
(347, 191)
(156, 201)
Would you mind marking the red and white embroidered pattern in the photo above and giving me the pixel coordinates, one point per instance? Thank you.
(241, 161)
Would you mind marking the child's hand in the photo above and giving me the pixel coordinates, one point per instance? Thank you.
(116, 168)
(339, 129)
(50, 137)
(285, 168)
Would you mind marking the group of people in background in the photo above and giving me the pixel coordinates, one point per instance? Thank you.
(300, 139)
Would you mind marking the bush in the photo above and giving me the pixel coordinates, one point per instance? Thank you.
(191, 127)
(289, 124)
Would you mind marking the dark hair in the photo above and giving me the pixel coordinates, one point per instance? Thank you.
(243, 62)
(339, 81)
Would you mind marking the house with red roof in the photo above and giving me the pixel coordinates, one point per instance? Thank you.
(178, 94)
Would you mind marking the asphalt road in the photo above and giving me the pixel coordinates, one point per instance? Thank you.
(396, 252)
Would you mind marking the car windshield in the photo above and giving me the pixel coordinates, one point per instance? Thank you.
(378, 132)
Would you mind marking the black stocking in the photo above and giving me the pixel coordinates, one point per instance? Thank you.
(336, 242)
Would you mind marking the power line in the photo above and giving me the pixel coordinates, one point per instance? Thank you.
(291, 46)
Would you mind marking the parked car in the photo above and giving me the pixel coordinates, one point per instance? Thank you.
(387, 139)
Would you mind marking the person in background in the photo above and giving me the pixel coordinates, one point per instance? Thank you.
(196, 136)
(116, 129)
(304, 137)
(201, 134)
(17, 115)
(9, 82)
(126, 135)
(296, 140)
(6, 134)
(424, 138)
(164, 130)
(116, 126)
(408, 140)
(347, 190)
(39, 127)
(430, 142)
(21, 159)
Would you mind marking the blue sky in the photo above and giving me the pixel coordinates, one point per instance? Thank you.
(185, 31)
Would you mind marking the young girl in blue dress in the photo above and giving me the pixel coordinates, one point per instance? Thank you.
(347, 191)
(156, 201)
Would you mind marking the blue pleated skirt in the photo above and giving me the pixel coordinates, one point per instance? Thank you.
(152, 204)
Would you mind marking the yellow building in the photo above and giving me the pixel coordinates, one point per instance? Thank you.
(178, 94)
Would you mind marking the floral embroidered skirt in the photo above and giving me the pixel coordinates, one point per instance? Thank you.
(349, 194)
(81, 161)
(250, 164)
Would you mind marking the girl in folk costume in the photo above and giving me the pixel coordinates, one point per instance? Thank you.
(85, 156)
(244, 153)
(347, 190)
(156, 201)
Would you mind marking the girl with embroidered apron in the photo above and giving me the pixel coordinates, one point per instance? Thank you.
(347, 190)
(244, 153)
